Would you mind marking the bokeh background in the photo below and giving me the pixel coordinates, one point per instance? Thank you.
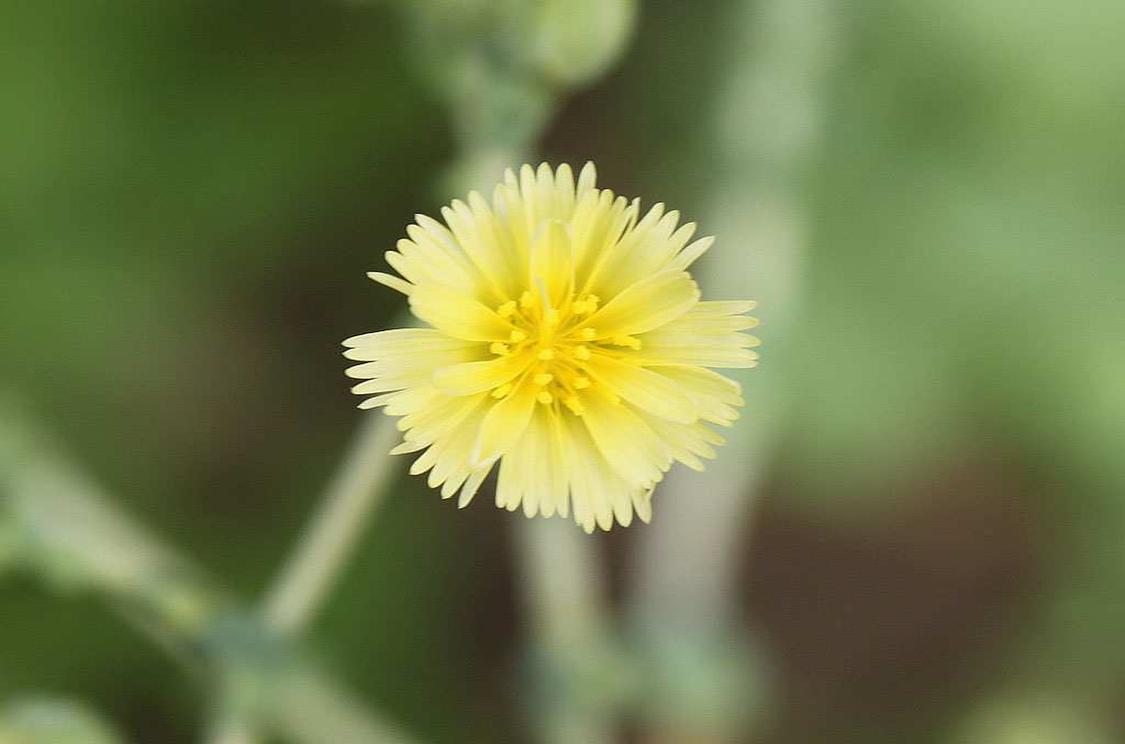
(931, 547)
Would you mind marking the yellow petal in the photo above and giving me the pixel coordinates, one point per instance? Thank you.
(644, 388)
(689, 255)
(474, 377)
(650, 303)
(503, 425)
(592, 480)
(389, 280)
(472, 485)
(457, 315)
(550, 266)
(625, 440)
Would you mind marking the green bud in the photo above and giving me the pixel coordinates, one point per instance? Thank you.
(577, 40)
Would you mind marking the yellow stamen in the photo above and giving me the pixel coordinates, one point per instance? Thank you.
(507, 310)
(628, 341)
(543, 379)
(502, 391)
(547, 354)
(517, 336)
(580, 383)
(585, 305)
(588, 334)
(527, 299)
(582, 352)
(545, 398)
(575, 405)
(498, 348)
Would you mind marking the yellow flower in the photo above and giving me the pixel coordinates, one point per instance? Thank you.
(566, 341)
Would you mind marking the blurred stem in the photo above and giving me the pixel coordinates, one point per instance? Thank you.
(71, 535)
(704, 682)
(309, 707)
(579, 683)
(358, 486)
(232, 732)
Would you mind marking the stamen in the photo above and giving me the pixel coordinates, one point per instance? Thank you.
(585, 305)
(502, 391)
(517, 336)
(588, 334)
(628, 341)
(545, 398)
(581, 383)
(497, 347)
(547, 355)
(543, 379)
(527, 299)
(507, 310)
(575, 405)
(582, 352)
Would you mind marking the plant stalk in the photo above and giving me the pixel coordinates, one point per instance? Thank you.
(704, 681)
(312, 570)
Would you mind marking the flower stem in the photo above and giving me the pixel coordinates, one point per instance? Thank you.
(579, 676)
(73, 537)
(232, 733)
(301, 587)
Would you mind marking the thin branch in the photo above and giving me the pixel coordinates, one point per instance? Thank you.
(314, 567)
(67, 531)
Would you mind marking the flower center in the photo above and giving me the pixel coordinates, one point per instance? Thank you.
(557, 344)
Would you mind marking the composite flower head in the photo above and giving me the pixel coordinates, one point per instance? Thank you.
(565, 344)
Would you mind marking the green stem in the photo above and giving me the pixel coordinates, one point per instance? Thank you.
(72, 536)
(359, 485)
(579, 676)
(234, 732)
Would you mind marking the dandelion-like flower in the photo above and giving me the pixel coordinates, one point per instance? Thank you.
(565, 342)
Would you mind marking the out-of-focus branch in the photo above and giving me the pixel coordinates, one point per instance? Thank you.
(583, 673)
(66, 530)
(355, 490)
(31, 719)
(702, 673)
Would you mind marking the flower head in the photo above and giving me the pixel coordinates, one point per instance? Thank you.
(565, 342)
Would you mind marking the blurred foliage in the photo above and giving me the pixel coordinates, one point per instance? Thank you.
(37, 721)
(192, 192)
